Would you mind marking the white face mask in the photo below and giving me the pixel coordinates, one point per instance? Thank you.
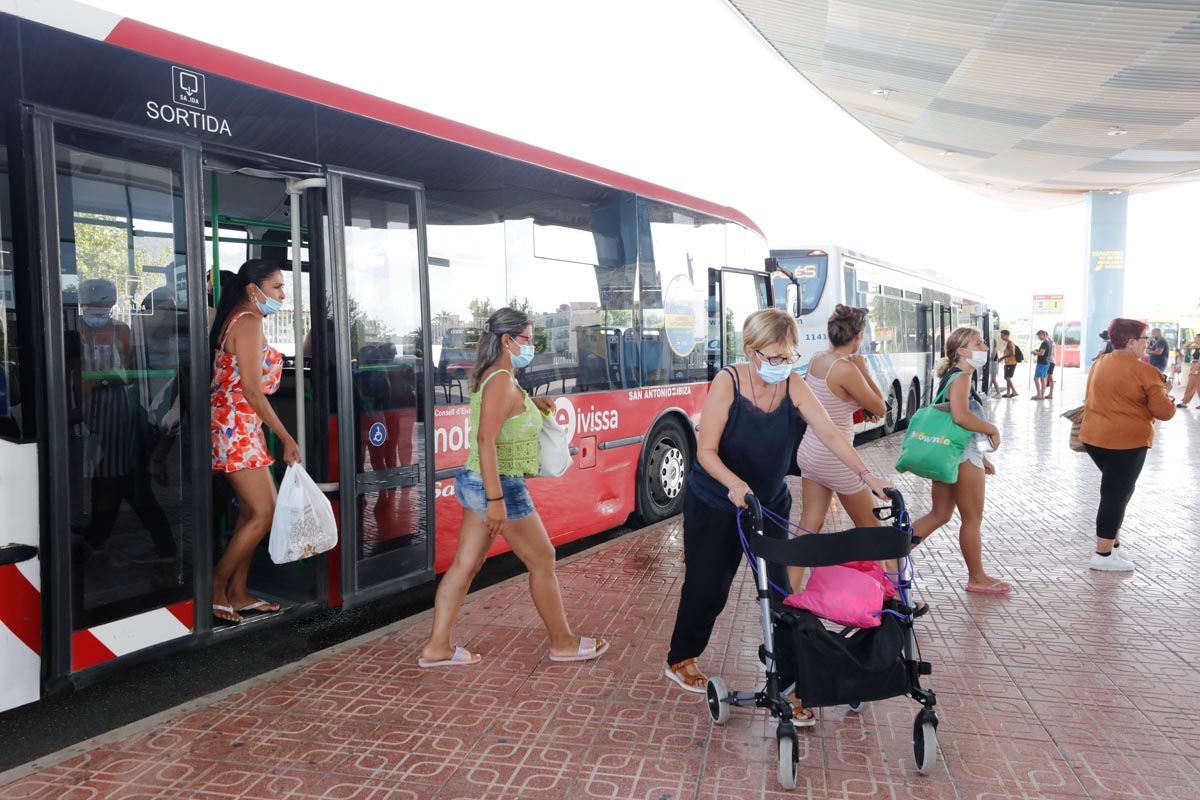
(979, 358)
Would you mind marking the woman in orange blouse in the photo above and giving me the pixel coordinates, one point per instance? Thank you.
(1124, 398)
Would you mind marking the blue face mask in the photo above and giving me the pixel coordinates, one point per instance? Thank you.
(95, 319)
(774, 374)
(523, 358)
(269, 306)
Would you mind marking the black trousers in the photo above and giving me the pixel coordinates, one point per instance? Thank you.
(712, 553)
(1119, 471)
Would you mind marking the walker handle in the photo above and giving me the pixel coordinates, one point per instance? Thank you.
(756, 515)
(897, 509)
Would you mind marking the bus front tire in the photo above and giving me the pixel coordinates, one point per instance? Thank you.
(666, 459)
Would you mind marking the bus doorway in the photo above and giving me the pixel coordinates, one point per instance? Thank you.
(248, 213)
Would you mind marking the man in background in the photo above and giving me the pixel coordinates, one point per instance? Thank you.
(1010, 363)
(1158, 351)
(1041, 368)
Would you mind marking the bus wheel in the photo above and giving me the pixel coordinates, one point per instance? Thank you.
(665, 464)
(911, 404)
(892, 420)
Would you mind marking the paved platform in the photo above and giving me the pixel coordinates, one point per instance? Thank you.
(1080, 685)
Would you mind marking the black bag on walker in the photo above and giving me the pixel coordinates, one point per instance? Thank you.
(831, 670)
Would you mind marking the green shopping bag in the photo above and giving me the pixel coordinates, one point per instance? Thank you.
(934, 443)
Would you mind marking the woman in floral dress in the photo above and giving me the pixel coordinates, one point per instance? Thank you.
(239, 410)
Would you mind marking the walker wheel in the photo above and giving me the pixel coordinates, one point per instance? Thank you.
(718, 700)
(925, 743)
(787, 762)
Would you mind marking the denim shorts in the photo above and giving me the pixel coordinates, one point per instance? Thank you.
(468, 488)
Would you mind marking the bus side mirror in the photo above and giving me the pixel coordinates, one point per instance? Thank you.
(793, 300)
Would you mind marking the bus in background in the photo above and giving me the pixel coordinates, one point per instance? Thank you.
(1066, 343)
(911, 315)
(399, 233)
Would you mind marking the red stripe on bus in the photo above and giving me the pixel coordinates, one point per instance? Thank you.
(21, 607)
(88, 651)
(185, 612)
(177, 49)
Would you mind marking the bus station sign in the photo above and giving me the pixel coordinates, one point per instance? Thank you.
(1048, 304)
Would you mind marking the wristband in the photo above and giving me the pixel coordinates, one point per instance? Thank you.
(494, 499)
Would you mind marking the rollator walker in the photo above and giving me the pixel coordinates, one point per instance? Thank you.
(826, 667)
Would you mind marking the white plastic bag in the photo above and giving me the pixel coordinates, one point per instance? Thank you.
(556, 450)
(304, 524)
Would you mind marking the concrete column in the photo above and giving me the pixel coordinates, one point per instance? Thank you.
(1105, 283)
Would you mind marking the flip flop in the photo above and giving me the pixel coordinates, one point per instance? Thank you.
(226, 610)
(461, 658)
(993, 589)
(258, 604)
(588, 650)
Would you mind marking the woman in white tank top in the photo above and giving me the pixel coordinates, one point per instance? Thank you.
(842, 382)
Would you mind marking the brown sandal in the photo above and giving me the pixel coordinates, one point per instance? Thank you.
(802, 717)
(688, 675)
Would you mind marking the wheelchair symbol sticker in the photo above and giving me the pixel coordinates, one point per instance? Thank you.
(377, 435)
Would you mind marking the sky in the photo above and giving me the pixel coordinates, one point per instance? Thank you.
(683, 93)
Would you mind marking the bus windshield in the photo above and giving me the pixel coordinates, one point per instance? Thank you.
(1068, 336)
(809, 273)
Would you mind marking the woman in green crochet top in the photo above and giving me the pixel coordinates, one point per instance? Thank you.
(491, 489)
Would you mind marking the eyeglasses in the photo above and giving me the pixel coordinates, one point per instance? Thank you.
(524, 339)
(776, 361)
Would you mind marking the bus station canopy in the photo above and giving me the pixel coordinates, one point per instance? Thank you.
(1033, 101)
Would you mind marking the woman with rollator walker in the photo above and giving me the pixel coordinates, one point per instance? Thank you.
(752, 421)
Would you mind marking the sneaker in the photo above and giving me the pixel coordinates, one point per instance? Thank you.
(1113, 563)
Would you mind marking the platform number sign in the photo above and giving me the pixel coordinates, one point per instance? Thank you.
(1048, 304)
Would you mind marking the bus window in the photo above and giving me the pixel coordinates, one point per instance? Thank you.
(744, 248)
(744, 294)
(885, 324)
(570, 267)
(810, 273)
(676, 251)
(11, 423)
(467, 283)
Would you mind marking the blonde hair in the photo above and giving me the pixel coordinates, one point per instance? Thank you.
(960, 338)
(770, 326)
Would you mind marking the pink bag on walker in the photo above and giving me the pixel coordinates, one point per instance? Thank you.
(847, 594)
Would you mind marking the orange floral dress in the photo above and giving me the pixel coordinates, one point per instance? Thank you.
(237, 432)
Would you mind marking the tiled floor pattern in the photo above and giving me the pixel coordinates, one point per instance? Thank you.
(1081, 685)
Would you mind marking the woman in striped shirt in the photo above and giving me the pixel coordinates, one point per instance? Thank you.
(841, 380)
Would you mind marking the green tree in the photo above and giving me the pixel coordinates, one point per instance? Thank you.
(541, 339)
(480, 308)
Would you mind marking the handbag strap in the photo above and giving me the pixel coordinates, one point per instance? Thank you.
(945, 390)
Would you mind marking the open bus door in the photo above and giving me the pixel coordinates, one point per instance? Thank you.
(383, 432)
(938, 325)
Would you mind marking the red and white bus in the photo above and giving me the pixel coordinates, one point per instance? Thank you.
(153, 162)
(1066, 343)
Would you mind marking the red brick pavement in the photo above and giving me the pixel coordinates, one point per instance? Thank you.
(1080, 685)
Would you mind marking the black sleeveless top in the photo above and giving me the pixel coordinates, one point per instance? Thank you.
(757, 446)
